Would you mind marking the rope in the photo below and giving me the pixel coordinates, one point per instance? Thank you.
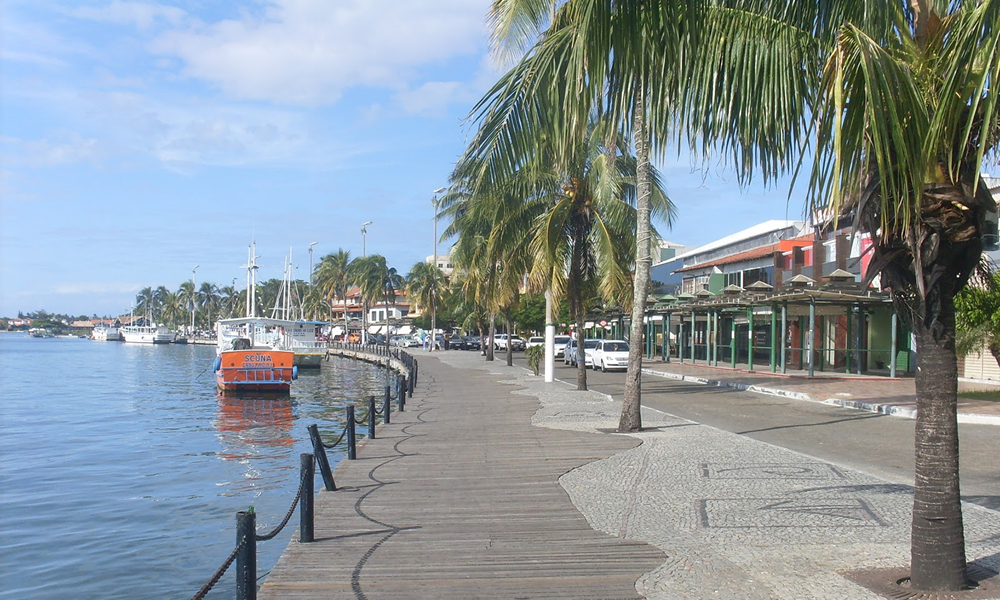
(205, 589)
(288, 515)
(333, 445)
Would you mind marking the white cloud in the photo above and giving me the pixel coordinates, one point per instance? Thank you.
(308, 52)
(140, 14)
(46, 152)
(434, 97)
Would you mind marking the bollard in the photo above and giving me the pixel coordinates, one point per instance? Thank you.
(246, 558)
(321, 459)
(372, 417)
(410, 387)
(388, 404)
(306, 499)
(352, 448)
(401, 398)
(416, 372)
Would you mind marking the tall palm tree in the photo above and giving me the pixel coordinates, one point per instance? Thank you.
(186, 295)
(424, 284)
(208, 302)
(228, 301)
(331, 277)
(900, 100)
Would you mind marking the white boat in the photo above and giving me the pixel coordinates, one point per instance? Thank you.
(40, 332)
(147, 334)
(302, 338)
(106, 333)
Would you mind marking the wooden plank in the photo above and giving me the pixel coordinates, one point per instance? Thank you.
(459, 498)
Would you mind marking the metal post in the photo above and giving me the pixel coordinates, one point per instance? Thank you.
(784, 330)
(750, 339)
(892, 345)
(680, 337)
(387, 405)
(321, 460)
(352, 448)
(401, 398)
(812, 336)
(372, 417)
(306, 499)
(693, 355)
(774, 338)
(246, 558)
(732, 344)
(667, 330)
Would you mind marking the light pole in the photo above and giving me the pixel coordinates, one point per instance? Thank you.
(364, 309)
(194, 293)
(311, 244)
(434, 202)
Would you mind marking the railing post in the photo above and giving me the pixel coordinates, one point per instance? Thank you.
(306, 499)
(372, 417)
(401, 398)
(416, 371)
(410, 382)
(246, 558)
(321, 460)
(387, 405)
(352, 448)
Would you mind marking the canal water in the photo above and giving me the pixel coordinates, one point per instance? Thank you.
(121, 469)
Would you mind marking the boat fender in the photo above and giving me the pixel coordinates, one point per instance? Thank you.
(295, 373)
(218, 364)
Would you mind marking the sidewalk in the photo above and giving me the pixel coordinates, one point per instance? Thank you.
(872, 393)
(738, 518)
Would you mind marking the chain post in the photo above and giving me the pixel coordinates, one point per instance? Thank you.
(388, 404)
(352, 448)
(246, 559)
(372, 417)
(321, 459)
(306, 499)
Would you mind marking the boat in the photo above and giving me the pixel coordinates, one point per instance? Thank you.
(302, 337)
(40, 332)
(252, 355)
(147, 334)
(106, 333)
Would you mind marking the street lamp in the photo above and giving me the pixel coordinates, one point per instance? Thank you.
(364, 232)
(311, 244)
(194, 291)
(435, 202)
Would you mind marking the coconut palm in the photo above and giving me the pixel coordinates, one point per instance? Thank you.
(228, 302)
(424, 284)
(900, 99)
(208, 302)
(331, 278)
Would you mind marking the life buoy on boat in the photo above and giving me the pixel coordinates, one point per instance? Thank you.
(218, 364)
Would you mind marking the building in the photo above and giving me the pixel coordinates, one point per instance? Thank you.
(443, 263)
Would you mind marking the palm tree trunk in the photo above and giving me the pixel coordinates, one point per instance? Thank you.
(575, 289)
(581, 354)
(493, 335)
(510, 334)
(937, 541)
(631, 417)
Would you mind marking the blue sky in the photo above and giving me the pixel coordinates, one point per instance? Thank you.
(140, 139)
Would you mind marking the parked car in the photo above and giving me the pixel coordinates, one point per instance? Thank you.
(561, 341)
(568, 350)
(588, 353)
(471, 342)
(500, 342)
(534, 340)
(610, 354)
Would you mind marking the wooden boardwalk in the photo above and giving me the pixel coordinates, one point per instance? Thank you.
(459, 498)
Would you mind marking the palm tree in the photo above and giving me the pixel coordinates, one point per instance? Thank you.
(186, 296)
(331, 278)
(899, 98)
(424, 283)
(208, 301)
(228, 301)
(377, 281)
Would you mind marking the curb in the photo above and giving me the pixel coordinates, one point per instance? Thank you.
(875, 407)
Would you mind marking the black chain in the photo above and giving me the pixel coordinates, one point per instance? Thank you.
(205, 589)
(340, 439)
(288, 515)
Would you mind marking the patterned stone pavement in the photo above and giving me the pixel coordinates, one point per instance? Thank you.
(737, 518)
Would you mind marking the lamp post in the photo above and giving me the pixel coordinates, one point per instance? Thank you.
(364, 309)
(434, 202)
(194, 292)
(311, 244)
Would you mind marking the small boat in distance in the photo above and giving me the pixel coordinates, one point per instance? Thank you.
(251, 352)
(40, 332)
(106, 333)
(303, 339)
(147, 334)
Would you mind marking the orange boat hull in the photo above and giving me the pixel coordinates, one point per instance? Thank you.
(255, 371)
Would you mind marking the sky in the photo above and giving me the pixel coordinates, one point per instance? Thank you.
(140, 139)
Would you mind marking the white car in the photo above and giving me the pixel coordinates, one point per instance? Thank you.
(560, 345)
(534, 340)
(588, 352)
(500, 342)
(610, 354)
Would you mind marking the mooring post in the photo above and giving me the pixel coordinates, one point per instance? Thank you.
(324, 464)
(352, 448)
(388, 404)
(401, 398)
(306, 499)
(372, 417)
(246, 558)
(416, 371)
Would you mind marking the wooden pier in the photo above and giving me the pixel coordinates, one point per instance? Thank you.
(459, 498)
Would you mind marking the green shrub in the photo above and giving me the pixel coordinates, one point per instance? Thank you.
(534, 355)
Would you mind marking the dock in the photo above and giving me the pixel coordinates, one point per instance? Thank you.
(459, 498)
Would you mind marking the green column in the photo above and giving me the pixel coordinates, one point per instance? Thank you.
(750, 339)
(812, 337)
(848, 356)
(715, 332)
(732, 344)
(666, 338)
(692, 337)
(784, 331)
(774, 327)
(892, 344)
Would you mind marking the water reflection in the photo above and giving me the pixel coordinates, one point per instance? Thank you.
(253, 426)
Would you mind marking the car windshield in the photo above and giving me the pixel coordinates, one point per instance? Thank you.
(590, 344)
(616, 347)
(561, 339)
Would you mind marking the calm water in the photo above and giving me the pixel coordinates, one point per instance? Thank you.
(121, 470)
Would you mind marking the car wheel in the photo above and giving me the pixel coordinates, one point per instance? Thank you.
(604, 367)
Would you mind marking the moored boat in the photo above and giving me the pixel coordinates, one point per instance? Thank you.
(302, 337)
(106, 333)
(252, 355)
(147, 334)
